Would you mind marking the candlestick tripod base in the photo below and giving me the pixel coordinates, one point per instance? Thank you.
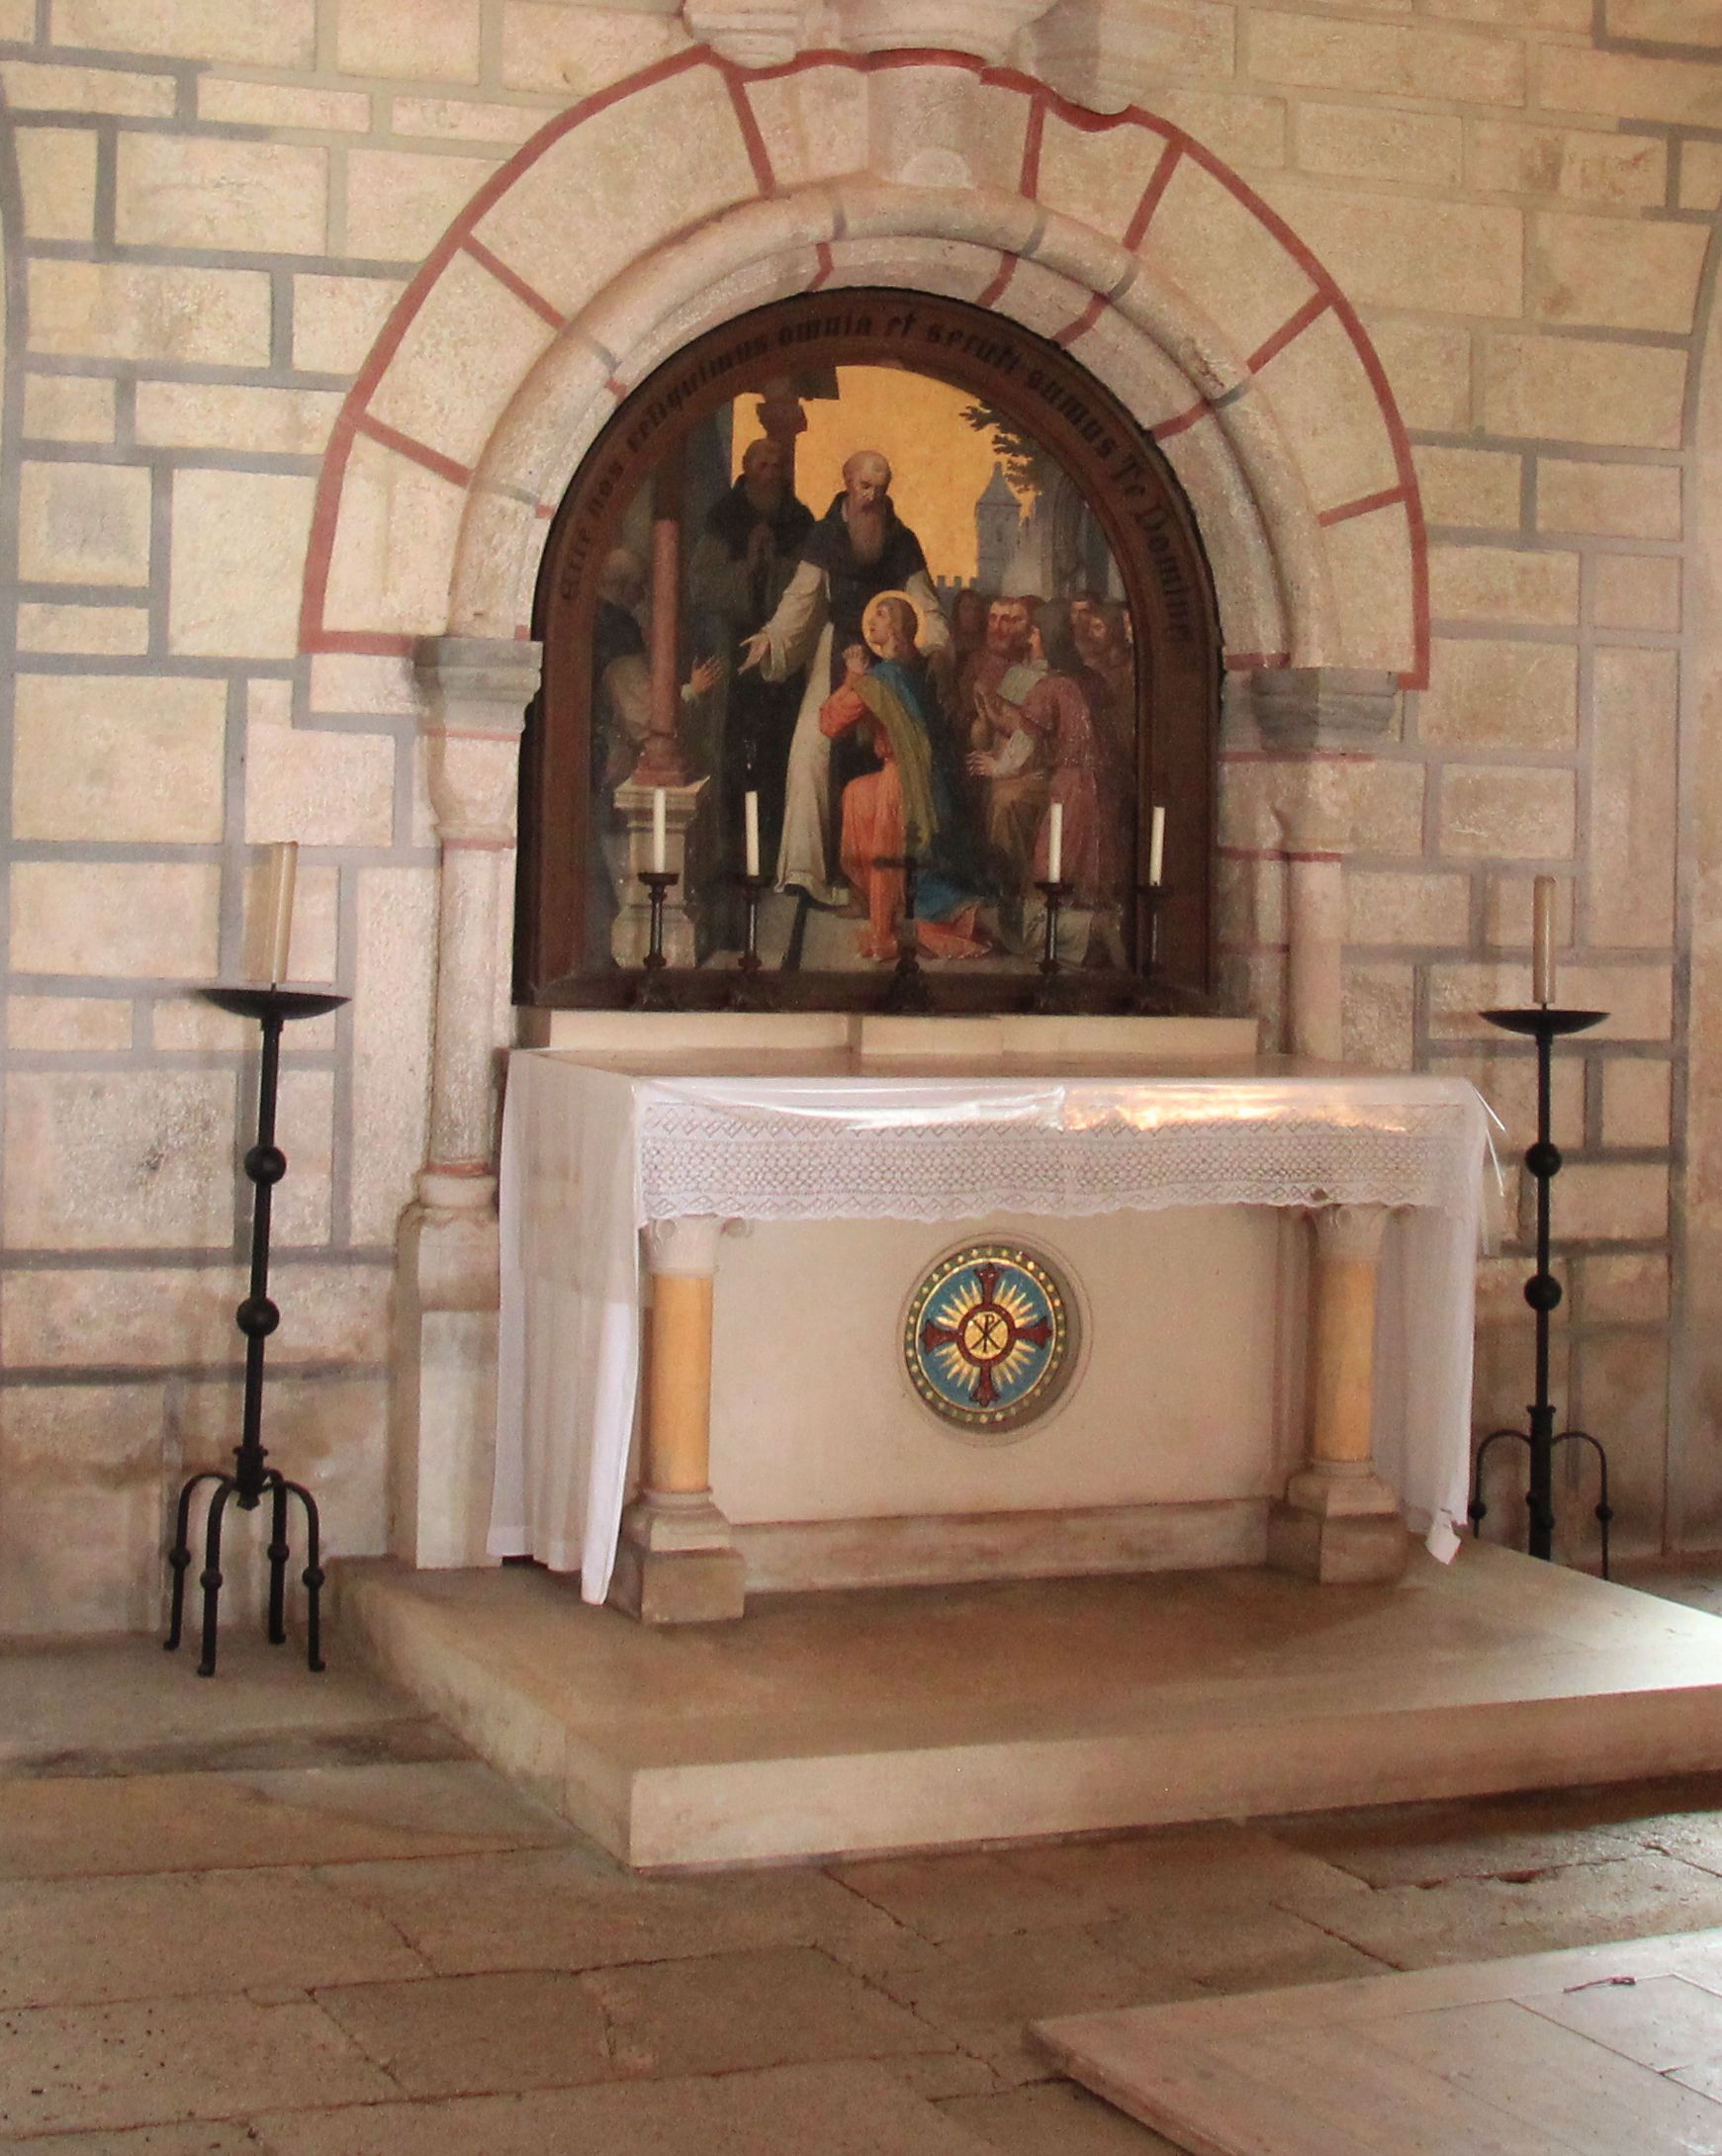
(250, 1481)
(1544, 1024)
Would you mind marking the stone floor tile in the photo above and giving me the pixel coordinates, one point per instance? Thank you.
(1054, 2118)
(72, 2068)
(1493, 1838)
(103, 1707)
(1637, 1896)
(475, 2036)
(58, 1829)
(777, 2007)
(840, 2110)
(965, 1895)
(571, 1908)
(1241, 1949)
(982, 1993)
(199, 2138)
(936, 2075)
(86, 1940)
(1205, 1868)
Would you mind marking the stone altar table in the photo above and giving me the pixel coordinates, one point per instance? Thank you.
(601, 1150)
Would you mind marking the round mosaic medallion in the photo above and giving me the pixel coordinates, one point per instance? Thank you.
(989, 1339)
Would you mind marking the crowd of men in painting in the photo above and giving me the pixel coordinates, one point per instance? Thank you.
(878, 729)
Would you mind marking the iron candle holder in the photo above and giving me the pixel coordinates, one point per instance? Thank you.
(654, 992)
(908, 994)
(1544, 1025)
(1054, 892)
(256, 1317)
(748, 994)
(1150, 897)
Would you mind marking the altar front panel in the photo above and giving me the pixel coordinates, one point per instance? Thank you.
(1188, 1361)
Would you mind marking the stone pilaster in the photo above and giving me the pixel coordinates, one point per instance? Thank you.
(1317, 726)
(476, 692)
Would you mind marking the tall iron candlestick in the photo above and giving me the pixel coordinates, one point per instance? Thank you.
(256, 1317)
(1543, 1292)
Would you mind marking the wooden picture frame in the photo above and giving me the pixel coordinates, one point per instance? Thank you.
(580, 851)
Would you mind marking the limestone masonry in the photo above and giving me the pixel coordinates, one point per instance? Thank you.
(313, 307)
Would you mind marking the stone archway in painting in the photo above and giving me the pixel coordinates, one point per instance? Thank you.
(1102, 522)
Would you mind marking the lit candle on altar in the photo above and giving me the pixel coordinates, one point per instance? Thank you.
(660, 830)
(1543, 940)
(1055, 844)
(283, 874)
(751, 824)
(1157, 844)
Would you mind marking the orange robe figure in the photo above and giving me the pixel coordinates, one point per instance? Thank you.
(873, 830)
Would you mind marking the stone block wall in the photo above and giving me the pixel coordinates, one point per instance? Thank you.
(209, 208)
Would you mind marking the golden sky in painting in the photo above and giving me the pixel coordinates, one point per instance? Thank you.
(939, 464)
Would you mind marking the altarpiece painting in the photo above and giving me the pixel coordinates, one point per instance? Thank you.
(869, 617)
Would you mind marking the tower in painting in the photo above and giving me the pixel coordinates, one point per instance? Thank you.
(998, 518)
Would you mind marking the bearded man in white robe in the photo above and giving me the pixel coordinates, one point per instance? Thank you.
(858, 549)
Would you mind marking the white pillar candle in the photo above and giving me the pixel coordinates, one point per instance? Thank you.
(660, 830)
(1157, 844)
(283, 874)
(1055, 844)
(1543, 940)
(751, 824)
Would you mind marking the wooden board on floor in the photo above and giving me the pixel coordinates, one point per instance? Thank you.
(1583, 2053)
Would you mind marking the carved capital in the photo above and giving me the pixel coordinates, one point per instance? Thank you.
(751, 32)
(1311, 708)
(989, 28)
(476, 693)
(1350, 1233)
(687, 1246)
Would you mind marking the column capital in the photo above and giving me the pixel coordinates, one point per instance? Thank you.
(476, 692)
(1306, 710)
(482, 672)
(1350, 1233)
(686, 1246)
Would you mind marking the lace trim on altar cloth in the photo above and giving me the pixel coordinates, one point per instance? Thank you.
(761, 1163)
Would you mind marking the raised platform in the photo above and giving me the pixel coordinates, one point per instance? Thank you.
(935, 1717)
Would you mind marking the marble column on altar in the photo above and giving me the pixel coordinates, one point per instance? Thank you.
(676, 1563)
(475, 692)
(1339, 1521)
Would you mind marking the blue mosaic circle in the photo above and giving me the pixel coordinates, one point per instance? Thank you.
(988, 1339)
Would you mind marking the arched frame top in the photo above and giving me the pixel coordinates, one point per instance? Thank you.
(707, 188)
(1122, 477)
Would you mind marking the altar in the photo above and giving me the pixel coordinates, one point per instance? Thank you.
(1265, 1269)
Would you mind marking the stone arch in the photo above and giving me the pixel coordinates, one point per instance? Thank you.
(707, 188)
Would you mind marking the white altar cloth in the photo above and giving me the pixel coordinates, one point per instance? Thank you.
(594, 1151)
